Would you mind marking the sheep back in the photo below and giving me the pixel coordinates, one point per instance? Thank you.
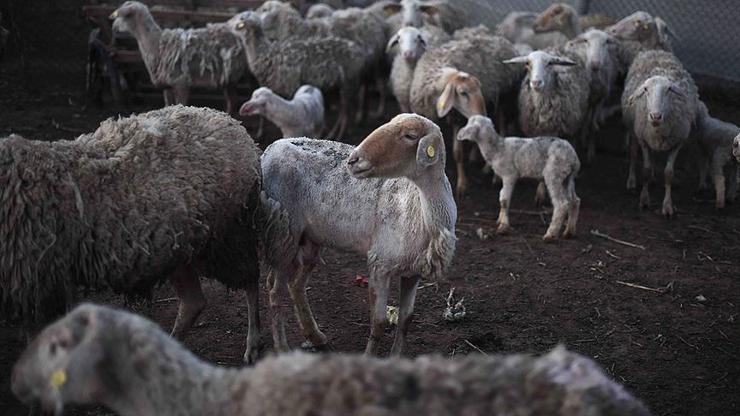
(126, 205)
(212, 56)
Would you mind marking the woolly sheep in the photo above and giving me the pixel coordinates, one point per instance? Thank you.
(443, 13)
(178, 59)
(168, 194)
(301, 116)
(98, 355)
(659, 106)
(639, 32)
(464, 74)
(715, 139)
(388, 198)
(410, 43)
(599, 53)
(283, 66)
(547, 159)
(559, 17)
(553, 99)
(517, 28)
(319, 10)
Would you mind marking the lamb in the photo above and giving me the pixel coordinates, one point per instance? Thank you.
(715, 139)
(301, 116)
(178, 59)
(464, 74)
(98, 355)
(547, 159)
(599, 52)
(169, 194)
(659, 107)
(553, 99)
(388, 198)
(283, 66)
(411, 44)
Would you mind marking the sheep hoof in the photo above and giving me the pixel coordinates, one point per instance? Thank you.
(631, 183)
(503, 229)
(569, 234)
(720, 204)
(549, 238)
(253, 354)
(668, 210)
(309, 346)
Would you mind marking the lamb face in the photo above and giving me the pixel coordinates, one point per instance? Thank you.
(129, 16)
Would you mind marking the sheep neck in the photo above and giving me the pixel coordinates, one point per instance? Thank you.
(147, 33)
(256, 46)
(281, 111)
(491, 148)
(437, 203)
(152, 374)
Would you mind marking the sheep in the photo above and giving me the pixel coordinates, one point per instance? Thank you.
(283, 66)
(547, 159)
(599, 52)
(301, 116)
(99, 355)
(169, 194)
(443, 13)
(411, 44)
(178, 59)
(517, 28)
(464, 74)
(639, 32)
(388, 198)
(715, 139)
(553, 99)
(559, 17)
(659, 107)
(736, 148)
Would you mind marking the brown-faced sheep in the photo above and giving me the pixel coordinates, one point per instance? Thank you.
(165, 195)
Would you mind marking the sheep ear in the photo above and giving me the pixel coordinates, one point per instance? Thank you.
(635, 95)
(445, 101)
(677, 90)
(429, 9)
(563, 61)
(428, 150)
(392, 8)
(392, 43)
(517, 60)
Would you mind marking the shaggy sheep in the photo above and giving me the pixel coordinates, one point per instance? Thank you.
(715, 139)
(736, 147)
(547, 159)
(659, 107)
(410, 43)
(517, 28)
(599, 52)
(559, 17)
(553, 99)
(178, 59)
(443, 13)
(388, 198)
(283, 66)
(168, 194)
(319, 10)
(639, 32)
(464, 74)
(299, 117)
(123, 361)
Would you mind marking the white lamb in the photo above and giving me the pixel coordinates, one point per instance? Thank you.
(548, 159)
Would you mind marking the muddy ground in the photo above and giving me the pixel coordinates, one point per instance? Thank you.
(636, 311)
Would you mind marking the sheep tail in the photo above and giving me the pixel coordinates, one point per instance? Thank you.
(275, 232)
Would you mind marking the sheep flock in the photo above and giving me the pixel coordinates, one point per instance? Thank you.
(182, 193)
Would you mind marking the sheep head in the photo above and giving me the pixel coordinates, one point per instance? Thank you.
(63, 363)
(319, 10)
(129, 16)
(257, 103)
(555, 18)
(658, 91)
(539, 65)
(413, 12)
(479, 129)
(411, 43)
(639, 26)
(736, 147)
(463, 92)
(247, 24)
(406, 146)
(597, 44)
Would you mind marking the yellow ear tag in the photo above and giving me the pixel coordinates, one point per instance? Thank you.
(58, 378)
(114, 14)
(430, 151)
(240, 25)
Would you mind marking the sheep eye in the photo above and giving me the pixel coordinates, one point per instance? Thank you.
(53, 348)
(464, 93)
(410, 137)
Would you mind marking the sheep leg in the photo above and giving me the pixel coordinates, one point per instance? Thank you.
(260, 128)
(297, 289)
(501, 122)
(458, 152)
(504, 200)
(718, 176)
(732, 187)
(668, 177)
(702, 164)
(182, 94)
(254, 342)
(647, 177)
(540, 196)
(187, 287)
(574, 207)
(560, 207)
(631, 177)
(230, 98)
(378, 299)
(381, 86)
(405, 309)
(278, 295)
(169, 97)
(361, 100)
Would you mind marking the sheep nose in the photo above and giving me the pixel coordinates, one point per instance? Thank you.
(536, 84)
(656, 116)
(408, 55)
(352, 160)
(595, 67)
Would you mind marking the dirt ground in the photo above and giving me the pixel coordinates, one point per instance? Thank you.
(636, 311)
